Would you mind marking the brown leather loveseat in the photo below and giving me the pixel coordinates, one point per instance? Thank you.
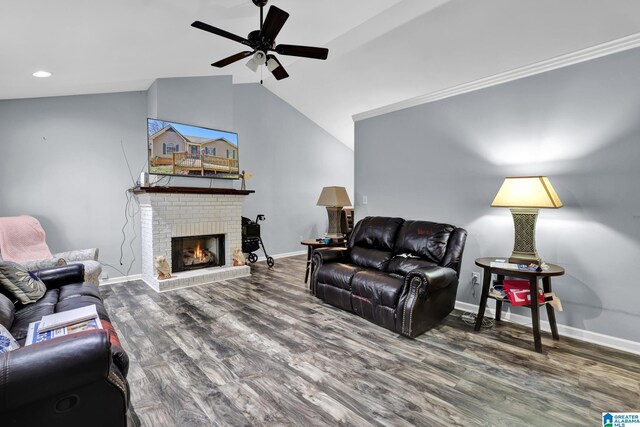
(401, 275)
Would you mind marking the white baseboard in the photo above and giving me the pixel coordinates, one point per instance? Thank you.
(567, 331)
(120, 279)
(123, 279)
(284, 255)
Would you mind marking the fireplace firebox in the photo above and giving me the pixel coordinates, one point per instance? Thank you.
(194, 252)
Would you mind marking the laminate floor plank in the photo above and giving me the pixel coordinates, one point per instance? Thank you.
(369, 397)
(262, 351)
(210, 399)
(183, 408)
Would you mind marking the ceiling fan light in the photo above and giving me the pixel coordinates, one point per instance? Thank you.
(260, 57)
(253, 65)
(257, 60)
(272, 64)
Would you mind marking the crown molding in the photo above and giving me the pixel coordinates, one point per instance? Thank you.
(597, 51)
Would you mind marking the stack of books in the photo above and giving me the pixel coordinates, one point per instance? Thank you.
(63, 323)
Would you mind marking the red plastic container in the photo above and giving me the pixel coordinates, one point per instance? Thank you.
(518, 292)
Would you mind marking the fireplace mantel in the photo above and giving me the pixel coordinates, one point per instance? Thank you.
(192, 190)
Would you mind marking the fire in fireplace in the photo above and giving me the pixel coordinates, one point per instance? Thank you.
(193, 252)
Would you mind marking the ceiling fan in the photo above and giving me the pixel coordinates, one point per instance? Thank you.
(263, 41)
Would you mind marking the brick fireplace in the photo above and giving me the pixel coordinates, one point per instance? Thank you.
(184, 212)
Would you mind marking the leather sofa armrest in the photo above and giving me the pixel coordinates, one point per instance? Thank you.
(329, 255)
(59, 276)
(42, 371)
(428, 295)
(434, 278)
(322, 256)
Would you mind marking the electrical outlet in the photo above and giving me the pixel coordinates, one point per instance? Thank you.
(104, 275)
(476, 278)
(364, 200)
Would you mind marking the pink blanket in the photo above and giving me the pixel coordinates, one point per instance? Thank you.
(22, 239)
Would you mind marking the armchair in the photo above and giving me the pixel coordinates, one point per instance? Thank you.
(73, 380)
(69, 381)
(24, 239)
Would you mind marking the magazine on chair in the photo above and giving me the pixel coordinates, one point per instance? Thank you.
(35, 335)
(66, 318)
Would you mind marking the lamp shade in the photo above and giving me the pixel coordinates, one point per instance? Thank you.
(334, 196)
(527, 192)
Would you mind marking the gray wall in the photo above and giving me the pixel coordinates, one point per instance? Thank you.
(578, 125)
(199, 101)
(62, 161)
(291, 159)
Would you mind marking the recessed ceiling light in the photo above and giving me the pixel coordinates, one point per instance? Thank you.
(41, 74)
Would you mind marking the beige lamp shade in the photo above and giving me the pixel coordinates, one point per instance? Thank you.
(525, 195)
(334, 196)
(527, 192)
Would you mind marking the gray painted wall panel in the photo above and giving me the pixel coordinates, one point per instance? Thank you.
(199, 101)
(291, 159)
(578, 125)
(62, 161)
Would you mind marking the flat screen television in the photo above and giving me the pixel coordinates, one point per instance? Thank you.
(185, 150)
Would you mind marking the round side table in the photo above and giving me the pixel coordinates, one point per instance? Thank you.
(532, 277)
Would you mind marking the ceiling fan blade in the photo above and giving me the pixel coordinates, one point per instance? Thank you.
(279, 72)
(219, 32)
(303, 51)
(231, 59)
(273, 23)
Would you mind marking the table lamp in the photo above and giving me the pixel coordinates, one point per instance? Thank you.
(334, 198)
(525, 195)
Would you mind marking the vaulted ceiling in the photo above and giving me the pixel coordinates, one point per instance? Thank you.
(381, 51)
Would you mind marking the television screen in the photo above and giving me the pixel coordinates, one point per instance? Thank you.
(184, 150)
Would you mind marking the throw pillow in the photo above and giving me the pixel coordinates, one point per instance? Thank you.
(22, 284)
(7, 311)
(7, 342)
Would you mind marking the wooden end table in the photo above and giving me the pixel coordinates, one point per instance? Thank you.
(532, 277)
(314, 244)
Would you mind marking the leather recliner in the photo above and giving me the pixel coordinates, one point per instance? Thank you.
(401, 275)
(73, 380)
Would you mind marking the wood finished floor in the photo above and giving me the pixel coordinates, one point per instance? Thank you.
(262, 351)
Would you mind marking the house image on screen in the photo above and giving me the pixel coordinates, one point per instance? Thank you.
(171, 152)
